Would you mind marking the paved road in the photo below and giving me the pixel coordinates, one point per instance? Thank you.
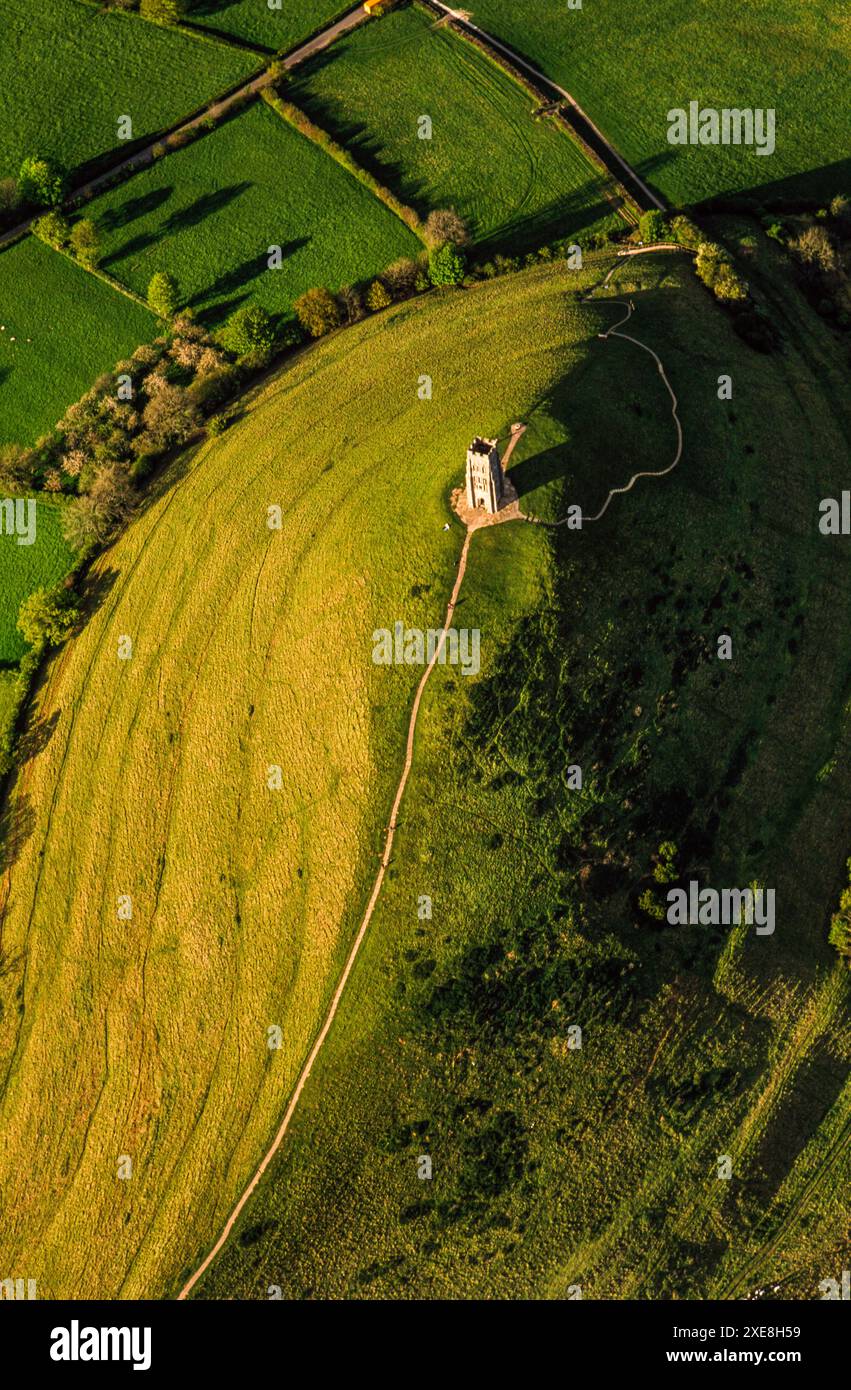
(581, 122)
(141, 158)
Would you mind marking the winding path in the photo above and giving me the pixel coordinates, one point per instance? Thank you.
(517, 431)
(356, 945)
(613, 333)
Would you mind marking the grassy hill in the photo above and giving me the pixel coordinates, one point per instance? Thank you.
(628, 65)
(555, 1166)
(251, 648)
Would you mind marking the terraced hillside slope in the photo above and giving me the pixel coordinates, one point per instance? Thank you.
(164, 903)
(458, 1138)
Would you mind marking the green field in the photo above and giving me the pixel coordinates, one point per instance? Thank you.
(209, 213)
(555, 1167)
(24, 568)
(255, 21)
(244, 898)
(511, 178)
(628, 65)
(104, 65)
(68, 327)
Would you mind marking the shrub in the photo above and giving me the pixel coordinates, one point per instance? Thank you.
(85, 242)
(318, 312)
(686, 232)
(816, 249)
(42, 181)
(249, 328)
(53, 229)
(840, 211)
(47, 616)
(163, 11)
(446, 266)
(163, 294)
(444, 225)
(652, 226)
(378, 297)
(401, 277)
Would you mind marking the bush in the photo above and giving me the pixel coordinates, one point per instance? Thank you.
(686, 232)
(652, 226)
(249, 328)
(163, 294)
(163, 11)
(85, 242)
(42, 181)
(401, 277)
(47, 616)
(318, 312)
(444, 225)
(378, 297)
(816, 249)
(53, 229)
(446, 266)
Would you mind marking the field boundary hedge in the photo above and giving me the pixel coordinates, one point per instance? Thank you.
(530, 87)
(301, 122)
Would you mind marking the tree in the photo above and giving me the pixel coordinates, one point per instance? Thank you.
(401, 277)
(249, 328)
(42, 181)
(318, 312)
(163, 11)
(444, 224)
(98, 515)
(446, 266)
(653, 226)
(816, 249)
(169, 418)
(378, 297)
(163, 294)
(47, 616)
(53, 229)
(85, 242)
(840, 211)
(16, 467)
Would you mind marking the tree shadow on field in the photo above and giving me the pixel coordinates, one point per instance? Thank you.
(242, 275)
(16, 826)
(203, 207)
(132, 248)
(35, 737)
(97, 588)
(135, 207)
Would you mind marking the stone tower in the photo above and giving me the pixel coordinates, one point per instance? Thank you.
(485, 478)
